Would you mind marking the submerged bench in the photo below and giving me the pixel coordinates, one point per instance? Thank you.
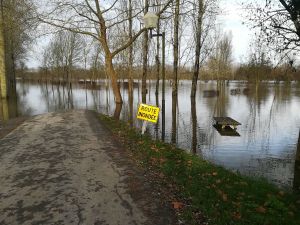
(226, 122)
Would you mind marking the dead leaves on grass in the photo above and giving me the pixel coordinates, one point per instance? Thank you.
(223, 195)
(177, 205)
(261, 209)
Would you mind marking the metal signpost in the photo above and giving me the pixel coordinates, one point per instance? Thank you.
(147, 113)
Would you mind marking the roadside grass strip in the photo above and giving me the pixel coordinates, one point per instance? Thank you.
(221, 196)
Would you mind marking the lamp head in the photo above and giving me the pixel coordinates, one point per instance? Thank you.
(150, 20)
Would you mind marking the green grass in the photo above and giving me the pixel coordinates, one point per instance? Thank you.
(222, 196)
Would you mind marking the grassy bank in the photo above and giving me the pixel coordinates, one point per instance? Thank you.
(221, 196)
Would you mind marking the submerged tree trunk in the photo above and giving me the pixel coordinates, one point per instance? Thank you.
(145, 59)
(175, 70)
(297, 167)
(198, 48)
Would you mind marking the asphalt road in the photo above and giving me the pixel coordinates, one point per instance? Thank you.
(66, 168)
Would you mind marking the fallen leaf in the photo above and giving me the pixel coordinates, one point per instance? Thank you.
(162, 160)
(177, 205)
(281, 193)
(224, 197)
(218, 181)
(219, 192)
(161, 175)
(236, 215)
(261, 209)
(244, 183)
(214, 173)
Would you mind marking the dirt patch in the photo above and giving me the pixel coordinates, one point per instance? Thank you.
(8, 126)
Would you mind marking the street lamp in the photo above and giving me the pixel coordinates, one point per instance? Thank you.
(150, 21)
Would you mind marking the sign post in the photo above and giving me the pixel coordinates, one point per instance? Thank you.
(147, 113)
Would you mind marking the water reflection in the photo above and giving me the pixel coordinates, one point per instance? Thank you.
(9, 107)
(226, 131)
(269, 114)
(297, 167)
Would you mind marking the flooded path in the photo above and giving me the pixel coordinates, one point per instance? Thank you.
(265, 145)
(65, 168)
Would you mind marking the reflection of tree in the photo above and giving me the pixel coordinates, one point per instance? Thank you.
(222, 103)
(258, 95)
(258, 99)
(9, 107)
(297, 167)
(61, 97)
(174, 118)
(96, 98)
(4, 114)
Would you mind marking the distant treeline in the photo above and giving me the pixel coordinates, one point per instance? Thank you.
(249, 72)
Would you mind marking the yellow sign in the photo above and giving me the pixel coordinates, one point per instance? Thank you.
(148, 113)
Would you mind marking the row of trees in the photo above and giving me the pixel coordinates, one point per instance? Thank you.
(93, 32)
(16, 26)
(117, 35)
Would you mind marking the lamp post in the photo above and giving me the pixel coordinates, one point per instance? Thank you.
(150, 21)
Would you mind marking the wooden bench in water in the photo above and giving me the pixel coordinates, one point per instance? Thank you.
(226, 121)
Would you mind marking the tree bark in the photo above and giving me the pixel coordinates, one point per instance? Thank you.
(3, 81)
(297, 167)
(194, 125)
(114, 78)
(157, 63)
(175, 70)
(130, 67)
(145, 59)
(198, 48)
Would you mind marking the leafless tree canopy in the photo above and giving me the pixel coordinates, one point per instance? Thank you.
(279, 20)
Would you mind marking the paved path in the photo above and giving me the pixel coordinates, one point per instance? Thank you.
(65, 168)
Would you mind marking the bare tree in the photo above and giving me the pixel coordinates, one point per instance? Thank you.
(203, 14)
(96, 20)
(200, 10)
(279, 20)
(63, 52)
(16, 25)
(220, 61)
(145, 57)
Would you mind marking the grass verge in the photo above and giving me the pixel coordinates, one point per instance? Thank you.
(223, 197)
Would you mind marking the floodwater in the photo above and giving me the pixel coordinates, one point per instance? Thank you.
(265, 145)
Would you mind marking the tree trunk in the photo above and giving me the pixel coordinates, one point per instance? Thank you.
(194, 125)
(145, 59)
(114, 79)
(130, 67)
(198, 49)
(175, 70)
(3, 82)
(297, 167)
(157, 63)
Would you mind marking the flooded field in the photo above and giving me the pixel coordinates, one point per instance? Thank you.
(264, 145)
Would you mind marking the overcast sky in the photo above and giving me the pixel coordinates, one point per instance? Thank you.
(231, 19)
